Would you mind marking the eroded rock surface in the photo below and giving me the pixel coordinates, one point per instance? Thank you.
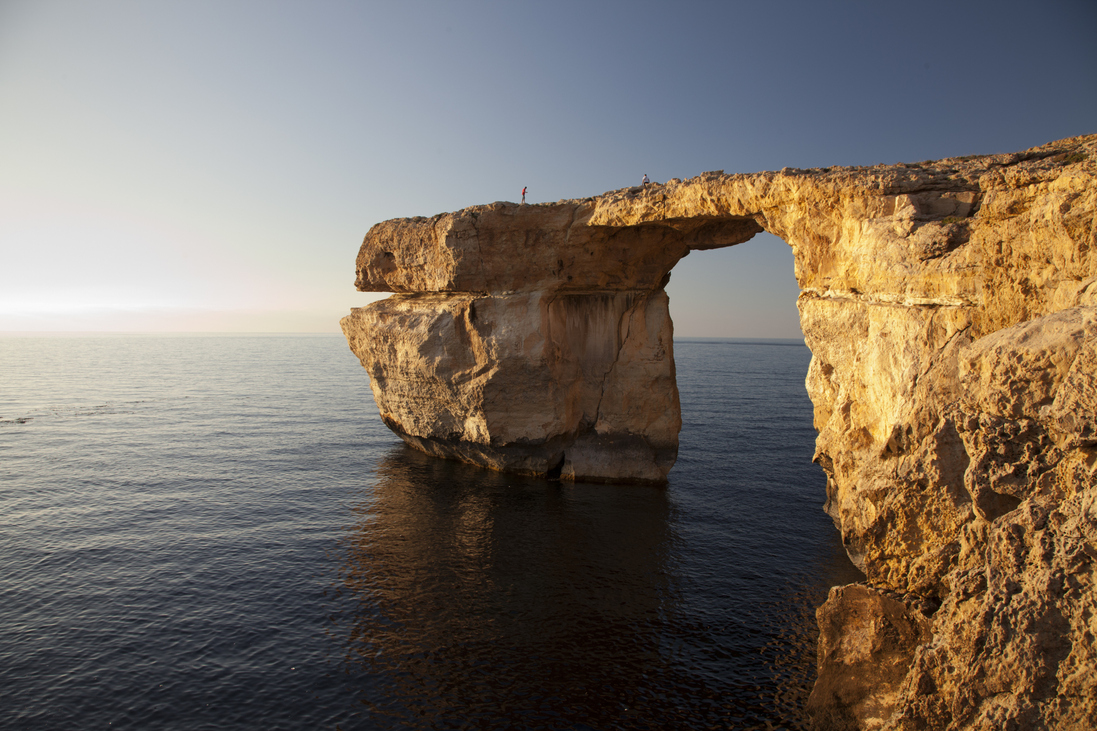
(579, 386)
(951, 310)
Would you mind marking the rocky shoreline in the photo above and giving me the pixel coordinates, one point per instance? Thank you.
(951, 310)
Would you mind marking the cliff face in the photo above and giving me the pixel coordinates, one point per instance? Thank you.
(951, 310)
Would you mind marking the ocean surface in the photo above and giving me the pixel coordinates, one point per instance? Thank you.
(210, 532)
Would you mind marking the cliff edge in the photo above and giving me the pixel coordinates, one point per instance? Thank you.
(951, 310)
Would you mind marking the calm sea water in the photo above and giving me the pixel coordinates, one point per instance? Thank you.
(218, 532)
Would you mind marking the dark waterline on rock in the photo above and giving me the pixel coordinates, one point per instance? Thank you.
(212, 532)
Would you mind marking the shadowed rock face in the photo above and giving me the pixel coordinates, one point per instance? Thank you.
(951, 310)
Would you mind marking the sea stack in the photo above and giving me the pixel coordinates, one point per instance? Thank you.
(951, 310)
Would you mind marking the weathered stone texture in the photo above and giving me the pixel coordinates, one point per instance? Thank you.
(575, 385)
(951, 310)
(868, 639)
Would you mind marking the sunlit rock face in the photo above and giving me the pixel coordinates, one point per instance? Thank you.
(575, 385)
(524, 339)
(951, 310)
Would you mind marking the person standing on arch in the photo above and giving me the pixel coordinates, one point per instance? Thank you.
(524, 193)
(646, 181)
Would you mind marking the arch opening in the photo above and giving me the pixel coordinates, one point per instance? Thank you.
(742, 290)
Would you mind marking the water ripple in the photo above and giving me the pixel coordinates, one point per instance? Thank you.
(219, 532)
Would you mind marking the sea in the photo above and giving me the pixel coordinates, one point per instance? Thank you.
(217, 531)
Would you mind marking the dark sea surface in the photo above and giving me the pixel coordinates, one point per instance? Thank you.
(218, 532)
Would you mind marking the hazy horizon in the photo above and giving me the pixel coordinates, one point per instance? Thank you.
(213, 166)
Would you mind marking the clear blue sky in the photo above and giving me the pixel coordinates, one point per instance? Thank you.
(214, 165)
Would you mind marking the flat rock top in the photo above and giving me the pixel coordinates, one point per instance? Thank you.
(628, 239)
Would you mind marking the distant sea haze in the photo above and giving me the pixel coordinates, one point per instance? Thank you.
(219, 532)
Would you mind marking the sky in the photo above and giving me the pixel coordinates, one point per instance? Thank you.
(213, 166)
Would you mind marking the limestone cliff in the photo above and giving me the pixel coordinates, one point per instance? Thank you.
(951, 310)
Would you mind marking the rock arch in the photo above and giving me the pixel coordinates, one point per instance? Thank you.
(951, 310)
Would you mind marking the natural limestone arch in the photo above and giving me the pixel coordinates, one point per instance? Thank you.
(544, 336)
(951, 310)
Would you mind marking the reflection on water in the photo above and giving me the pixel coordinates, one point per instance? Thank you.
(490, 597)
(475, 599)
(488, 600)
